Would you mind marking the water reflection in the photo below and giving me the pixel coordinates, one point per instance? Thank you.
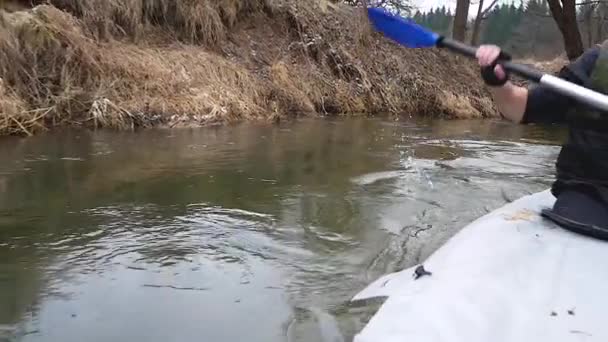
(252, 231)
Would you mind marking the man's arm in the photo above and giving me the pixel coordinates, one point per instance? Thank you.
(510, 99)
(537, 104)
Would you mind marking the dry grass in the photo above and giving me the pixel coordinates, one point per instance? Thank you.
(14, 117)
(138, 63)
(457, 106)
(550, 66)
(290, 91)
(197, 21)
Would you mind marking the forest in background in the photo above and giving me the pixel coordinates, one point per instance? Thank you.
(527, 29)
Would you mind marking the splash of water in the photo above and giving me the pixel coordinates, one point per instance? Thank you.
(328, 326)
(408, 161)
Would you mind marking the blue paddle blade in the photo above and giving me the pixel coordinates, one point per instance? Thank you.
(403, 31)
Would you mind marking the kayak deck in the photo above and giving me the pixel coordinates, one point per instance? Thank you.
(508, 276)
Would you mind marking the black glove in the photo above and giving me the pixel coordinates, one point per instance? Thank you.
(488, 74)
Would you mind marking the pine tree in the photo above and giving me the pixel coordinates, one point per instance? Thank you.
(536, 34)
(418, 17)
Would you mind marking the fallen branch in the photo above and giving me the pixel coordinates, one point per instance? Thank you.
(22, 127)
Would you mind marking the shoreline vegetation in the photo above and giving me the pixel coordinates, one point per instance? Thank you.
(126, 64)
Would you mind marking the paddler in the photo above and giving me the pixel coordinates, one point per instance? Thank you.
(581, 185)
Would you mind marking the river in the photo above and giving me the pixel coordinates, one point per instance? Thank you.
(248, 232)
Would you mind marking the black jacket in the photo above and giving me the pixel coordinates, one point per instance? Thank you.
(583, 160)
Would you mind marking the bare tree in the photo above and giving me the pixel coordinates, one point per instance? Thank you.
(587, 16)
(481, 15)
(592, 17)
(601, 19)
(564, 14)
(460, 20)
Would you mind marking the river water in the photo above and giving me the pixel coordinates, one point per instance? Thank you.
(242, 233)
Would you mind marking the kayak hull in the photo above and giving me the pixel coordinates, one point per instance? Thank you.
(511, 275)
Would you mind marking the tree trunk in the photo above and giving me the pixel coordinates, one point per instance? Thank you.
(564, 15)
(601, 30)
(481, 15)
(600, 23)
(589, 22)
(460, 20)
(477, 24)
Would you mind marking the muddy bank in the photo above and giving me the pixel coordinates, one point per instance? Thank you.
(137, 63)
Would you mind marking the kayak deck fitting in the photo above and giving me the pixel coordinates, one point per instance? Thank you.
(511, 275)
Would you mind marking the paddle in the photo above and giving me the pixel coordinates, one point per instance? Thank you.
(409, 34)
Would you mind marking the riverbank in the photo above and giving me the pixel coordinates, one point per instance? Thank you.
(127, 64)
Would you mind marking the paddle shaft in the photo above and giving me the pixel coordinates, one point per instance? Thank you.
(579, 93)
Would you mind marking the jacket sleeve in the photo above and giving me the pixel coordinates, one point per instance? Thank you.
(546, 106)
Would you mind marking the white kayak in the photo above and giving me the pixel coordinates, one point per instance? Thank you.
(509, 276)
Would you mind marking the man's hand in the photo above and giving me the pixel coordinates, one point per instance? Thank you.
(492, 73)
(511, 100)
